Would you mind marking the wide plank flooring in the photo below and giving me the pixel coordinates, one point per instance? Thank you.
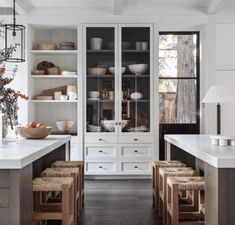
(118, 202)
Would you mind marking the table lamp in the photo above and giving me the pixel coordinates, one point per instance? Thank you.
(218, 94)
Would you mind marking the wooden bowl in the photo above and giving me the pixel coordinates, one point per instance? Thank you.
(34, 133)
(97, 71)
(46, 46)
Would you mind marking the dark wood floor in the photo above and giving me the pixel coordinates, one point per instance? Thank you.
(118, 202)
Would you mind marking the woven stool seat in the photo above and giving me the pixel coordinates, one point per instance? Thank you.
(187, 183)
(177, 172)
(51, 183)
(167, 163)
(67, 164)
(59, 172)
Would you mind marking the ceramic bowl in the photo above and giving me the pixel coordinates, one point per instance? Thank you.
(34, 133)
(46, 46)
(112, 70)
(124, 123)
(138, 69)
(93, 128)
(65, 125)
(97, 71)
(93, 94)
(108, 125)
(136, 95)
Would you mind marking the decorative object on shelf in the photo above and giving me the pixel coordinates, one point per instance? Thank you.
(65, 125)
(112, 70)
(8, 103)
(14, 38)
(44, 65)
(57, 95)
(105, 94)
(50, 92)
(111, 95)
(144, 46)
(46, 46)
(96, 43)
(72, 92)
(38, 72)
(126, 45)
(94, 94)
(218, 94)
(108, 125)
(138, 69)
(64, 97)
(44, 97)
(53, 70)
(97, 71)
(67, 46)
(93, 128)
(136, 95)
(34, 131)
(138, 45)
(138, 129)
(68, 73)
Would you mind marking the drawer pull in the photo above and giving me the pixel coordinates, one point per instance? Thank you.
(100, 151)
(100, 139)
(136, 139)
(136, 167)
(100, 167)
(136, 151)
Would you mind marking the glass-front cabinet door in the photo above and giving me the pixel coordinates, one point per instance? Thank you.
(101, 79)
(135, 78)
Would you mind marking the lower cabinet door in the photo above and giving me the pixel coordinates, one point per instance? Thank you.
(135, 167)
(100, 168)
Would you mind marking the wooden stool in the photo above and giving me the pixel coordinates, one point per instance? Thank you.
(155, 168)
(202, 209)
(44, 210)
(176, 215)
(67, 172)
(74, 164)
(170, 172)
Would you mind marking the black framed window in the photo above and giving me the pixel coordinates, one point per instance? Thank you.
(179, 73)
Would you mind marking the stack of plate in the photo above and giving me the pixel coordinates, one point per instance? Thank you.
(67, 46)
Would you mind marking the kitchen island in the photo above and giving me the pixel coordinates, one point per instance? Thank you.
(217, 164)
(19, 163)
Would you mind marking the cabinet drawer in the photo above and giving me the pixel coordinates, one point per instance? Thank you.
(101, 151)
(137, 150)
(101, 139)
(136, 139)
(101, 167)
(135, 167)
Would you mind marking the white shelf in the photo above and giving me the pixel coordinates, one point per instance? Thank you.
(53, 101)
(54, 52)
(55, 76)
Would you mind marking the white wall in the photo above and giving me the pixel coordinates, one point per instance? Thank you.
(225, 68)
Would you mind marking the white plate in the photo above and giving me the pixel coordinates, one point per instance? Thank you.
(93, 99)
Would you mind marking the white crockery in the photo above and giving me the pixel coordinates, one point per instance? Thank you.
(136, 95)
(65, 125)
(93, 128)
(96, 43)
(93, 94)
(138, 69)
(112, 70)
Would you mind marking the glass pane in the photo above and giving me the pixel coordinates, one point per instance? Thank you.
(177, 100)
(136, 79)
(100, 79)
(177, 55)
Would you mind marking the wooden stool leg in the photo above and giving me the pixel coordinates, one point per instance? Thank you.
(175, 205)
(169, 205)
(66, 205)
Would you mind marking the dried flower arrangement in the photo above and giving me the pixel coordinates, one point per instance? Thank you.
(8, 96)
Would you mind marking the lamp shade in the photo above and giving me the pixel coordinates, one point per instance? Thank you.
(217, 94)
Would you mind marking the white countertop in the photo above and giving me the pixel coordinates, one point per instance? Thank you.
(200, 147)
(17, 155)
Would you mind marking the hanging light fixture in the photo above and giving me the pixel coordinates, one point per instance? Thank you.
(14, 37)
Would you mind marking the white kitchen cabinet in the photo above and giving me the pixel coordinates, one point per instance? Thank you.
(119, 100)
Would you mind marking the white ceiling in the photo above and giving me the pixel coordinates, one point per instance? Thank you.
(211, 6)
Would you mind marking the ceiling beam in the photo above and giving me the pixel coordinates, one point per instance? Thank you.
(215, 6)
(117, 7)
(23, 7)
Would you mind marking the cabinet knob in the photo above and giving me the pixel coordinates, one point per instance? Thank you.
(100, 167)
(100, 151)
(136, 151)
(136, 167)
(100, 139)
(136, 139)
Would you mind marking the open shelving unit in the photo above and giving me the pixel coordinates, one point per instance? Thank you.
(50, 111)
